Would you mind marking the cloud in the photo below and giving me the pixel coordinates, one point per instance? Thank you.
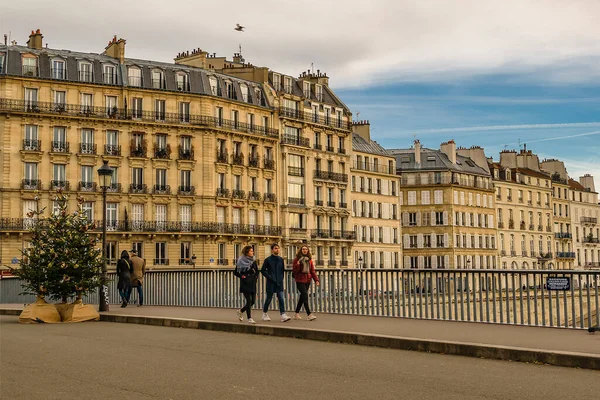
(358, 43)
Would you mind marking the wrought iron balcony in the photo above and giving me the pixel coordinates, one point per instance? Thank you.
(270, 197)
(186, 190)
(86, 186)
(343, 205)
(331, 263)
(298, 231)
(222, 157)
(238, 159)
(161, 261)
(563, 235)
(502, 253)
(222, 192)
(374, 167)
(254, 196)
(565, 254)
(295, 141)
(531, 227)
(112, 150)
(114, 188)
(313, 118)
(138, 151)
(30, 70)
(31, 184)
(138, 188)
(524, 253)
(318, 146)
(59, 147)
(590, 240)
(319, 203)
(548, 228)
(501, 225)
(32, 145)
(58, 184)
(330, 149)
(186, 154)
(511, 224)
(343, 263)
(254, 161)
(295, 171)
(331, 176)
(269, 164)
(331, 204)
(341, 150)
(222, 261)
(87, 148)
(540, 228)
(320, 263)
(129, 114)
(163, 153)
(589, 220)
(296, 200)
(238, 194)
(522, 225)
(161, 189)
(332, 234)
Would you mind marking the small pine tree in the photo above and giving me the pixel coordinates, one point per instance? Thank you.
(62, 261)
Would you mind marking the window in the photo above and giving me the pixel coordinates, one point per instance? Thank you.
(319, 92)
(58, 69)
(244, 90)
(109, 74)
(161, 254)
(136, 107)
(31, 138)
(31, 172)
(277, 81)
(1, 62)
(87, 102)
(85, 71)
(287, 85)
(134, 76)
(412, 219)
(439, 218)
(183, 83)
(31, 98)
(159, 110)
(440, 241)
(30, 65)
(59, 99)
(214, 86)
(185, 253)
(111, 106)
(306, 89)
(137, 176)
(158, 79)
(161, 180)
(184, 112)
(59, 139)
(229, 90)
(87, 145)
(298, 220)
(111, 216)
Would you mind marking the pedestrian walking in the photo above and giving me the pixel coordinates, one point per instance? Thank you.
(273, 269)
(138, 266)
(246, 269)
(124, 274)
(303, 270)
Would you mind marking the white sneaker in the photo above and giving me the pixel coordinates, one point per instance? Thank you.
(284, 318)
(297, 316)
(251, 321)
(240, 315)
(265, 317)
(311, 317)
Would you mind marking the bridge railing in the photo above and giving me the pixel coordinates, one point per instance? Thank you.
(517, 297)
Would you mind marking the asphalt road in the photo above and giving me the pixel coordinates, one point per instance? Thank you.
(98, 360)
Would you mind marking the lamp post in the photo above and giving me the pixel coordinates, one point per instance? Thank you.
(105, 174)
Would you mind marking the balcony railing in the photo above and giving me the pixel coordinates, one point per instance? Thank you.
(138, 151)
(319, 203)
(501, 225)
(313, 118)
(317, 146)
(332, 234)
(59, 147)
(222, 157)
(112, 150)
(161, 189)
(129, 114)
(343, 205)
(545, 256)
(86, 186)
(186, 190)
(563, 235)
(255, 196)
(30, 70)
(341, 150)
(591, 265)
(296, 200)
(343, 263)
(295, 171)
(238, 159)
(222, 192)
(186, 154)
(332, 176)
(31, 184)
(298, 231)
(114, 188)
(163, 153)
(565, 254)
(590, 240)
(418, 180)
(270, 197)
(59, 184)
(222, 261)
(87, 148)
(331, 263)
(331, 204)
(548, 228)
(269, 164)
(253, 161)
(295, 140)
(540, 228)
(379, 168)
(320, 263)
(138, 188)
(238, 194)
(589, 220)
(330, 149)
(32, 145)
(161, 261)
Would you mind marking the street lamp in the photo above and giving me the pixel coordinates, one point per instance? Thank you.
(105, 175)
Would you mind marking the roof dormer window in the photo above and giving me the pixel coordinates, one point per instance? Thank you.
(319, 92)
(85, 71)
(214, 86)
(134, 76)
(244, 90)
(277, 81)
(59, 70)
(306, 89)
(287, 84)
(183, 82)
(109, 74)
(158, 79)
(30, 65)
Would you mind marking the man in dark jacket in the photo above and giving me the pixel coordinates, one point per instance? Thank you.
(273, 270)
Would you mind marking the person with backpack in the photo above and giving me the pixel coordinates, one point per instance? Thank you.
(246, 269)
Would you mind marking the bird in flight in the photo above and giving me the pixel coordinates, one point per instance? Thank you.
(239, 28)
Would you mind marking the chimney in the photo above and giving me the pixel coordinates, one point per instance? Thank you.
(449, 149)
(116, 49)
(237, 58)
(417, 151)
(477, 155)
(587, 181)
(198, 58)
(35, 40)
(362, 129)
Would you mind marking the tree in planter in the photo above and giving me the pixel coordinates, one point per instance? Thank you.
(62, 261)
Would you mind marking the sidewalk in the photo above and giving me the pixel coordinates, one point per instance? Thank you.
(565, 347)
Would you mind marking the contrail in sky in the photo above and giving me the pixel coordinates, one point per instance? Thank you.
(557, 138)
(511, 127)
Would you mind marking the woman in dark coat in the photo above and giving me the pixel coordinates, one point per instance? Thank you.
(124, 274)
(246, 269)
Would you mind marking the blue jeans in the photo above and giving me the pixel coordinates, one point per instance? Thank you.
(280, 299)
(125, 293)
(140, 294)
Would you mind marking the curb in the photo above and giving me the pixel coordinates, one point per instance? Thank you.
(561, 359)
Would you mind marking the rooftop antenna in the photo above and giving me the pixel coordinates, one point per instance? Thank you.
(519, 140)
(240, 50)
(312, 68)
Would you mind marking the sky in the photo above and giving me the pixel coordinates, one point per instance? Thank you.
(494, 73)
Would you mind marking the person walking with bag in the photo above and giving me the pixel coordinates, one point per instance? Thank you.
(273, 269)
(246, 269)
(303, 270)
(124, 274)
(138, 266)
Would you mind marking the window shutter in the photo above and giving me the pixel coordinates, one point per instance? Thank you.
(432, 219)
(434, 262)
(490, 221)
(406, 262)
(445, 240)
(420, 241)
(468, 241)
(445, 217)
(404, 219)
(485, 201)
(446, 261)
(418, 218)
(406, 241)
(478, 200)
(433, 240)
(420, 261)
(456, 197)
(467, 221)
